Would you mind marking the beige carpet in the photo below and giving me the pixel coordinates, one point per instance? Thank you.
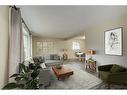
(79, 80)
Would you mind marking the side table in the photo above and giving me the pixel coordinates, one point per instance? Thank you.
(91, 65)
(65, 56)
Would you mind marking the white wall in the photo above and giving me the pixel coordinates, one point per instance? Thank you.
(70, 51)
(3, 45)
(95, 40)
(59, 45)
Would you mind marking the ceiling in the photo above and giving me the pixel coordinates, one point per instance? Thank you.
(67, 21)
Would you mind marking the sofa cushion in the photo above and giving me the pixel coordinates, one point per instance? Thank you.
(49, 63)
(117, 68)
(104, 75)
(52, 57)
(56, 57)
(43, 65)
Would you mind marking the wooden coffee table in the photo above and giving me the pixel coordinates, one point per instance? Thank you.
(62, 73)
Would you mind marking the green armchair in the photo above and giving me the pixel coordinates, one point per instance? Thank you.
(113, 74)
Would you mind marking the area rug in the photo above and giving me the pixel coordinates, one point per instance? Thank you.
(105, 86)
(79, 80)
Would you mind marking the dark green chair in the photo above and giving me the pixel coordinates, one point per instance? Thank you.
(113, 74)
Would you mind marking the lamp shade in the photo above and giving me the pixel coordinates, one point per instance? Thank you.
(90, 52)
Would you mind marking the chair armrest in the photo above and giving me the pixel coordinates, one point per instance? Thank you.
(105, 67)
(118, 77)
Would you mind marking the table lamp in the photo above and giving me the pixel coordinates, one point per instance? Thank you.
(90, 52)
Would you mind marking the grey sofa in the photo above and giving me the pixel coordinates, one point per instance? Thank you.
(52, 57)
(53, 60)
(50, 63)
(45, 77)
(45, 73)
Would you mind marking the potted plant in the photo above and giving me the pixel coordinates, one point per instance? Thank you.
(91, 60)
(27, 78)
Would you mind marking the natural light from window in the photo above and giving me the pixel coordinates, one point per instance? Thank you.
(45, 47)
(27, 43)
(75, 45)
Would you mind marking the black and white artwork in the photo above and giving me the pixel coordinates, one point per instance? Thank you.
(113, 42)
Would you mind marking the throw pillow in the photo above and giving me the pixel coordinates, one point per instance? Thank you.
(43, 65)
(52, 57)
(117, 68)
(56, 57)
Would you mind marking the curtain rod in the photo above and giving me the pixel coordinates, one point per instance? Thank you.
(13, 7)
(21, 19)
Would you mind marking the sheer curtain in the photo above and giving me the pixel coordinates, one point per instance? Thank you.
(16, 48)
(27, 42)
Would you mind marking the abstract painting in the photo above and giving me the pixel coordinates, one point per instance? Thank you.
(113, 42)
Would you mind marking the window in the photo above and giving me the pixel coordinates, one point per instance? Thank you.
(45, 47)
(27, 42)
(39, 47)
(75, 45)
(48, 46)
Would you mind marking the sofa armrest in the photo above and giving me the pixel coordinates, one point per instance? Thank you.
(105, 67)
(45, 77)
(118, 77)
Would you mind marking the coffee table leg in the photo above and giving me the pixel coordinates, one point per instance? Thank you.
(61, 78)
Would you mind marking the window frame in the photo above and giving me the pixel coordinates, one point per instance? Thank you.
(28, 36)
(75, 46)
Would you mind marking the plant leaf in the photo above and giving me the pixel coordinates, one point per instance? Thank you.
(23, 68)
(31, 66)
(35, 74)
(18, 78)
(14, 75)
(10, 86)
(21, 86)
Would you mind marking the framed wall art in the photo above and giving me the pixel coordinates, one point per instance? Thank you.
(113, 41)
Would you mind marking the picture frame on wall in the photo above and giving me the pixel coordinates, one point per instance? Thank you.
(114, 41)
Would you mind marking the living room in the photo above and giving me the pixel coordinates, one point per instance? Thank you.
(57, 46)
(66, 39)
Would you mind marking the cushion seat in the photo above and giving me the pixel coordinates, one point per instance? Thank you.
(104, 75)
(117, 68)
(113, 74)
(53, 62)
